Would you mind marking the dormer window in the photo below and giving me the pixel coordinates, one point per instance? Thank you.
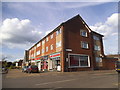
(83, 33)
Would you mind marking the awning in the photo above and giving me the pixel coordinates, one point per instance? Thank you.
(55, 55)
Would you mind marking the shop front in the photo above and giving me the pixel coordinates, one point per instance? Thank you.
(54, 62)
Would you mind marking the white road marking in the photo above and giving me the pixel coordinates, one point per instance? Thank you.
(56, 82)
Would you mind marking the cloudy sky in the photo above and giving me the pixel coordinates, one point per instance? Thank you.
(24, 23)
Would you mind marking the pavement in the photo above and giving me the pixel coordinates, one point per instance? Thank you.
(84, 79)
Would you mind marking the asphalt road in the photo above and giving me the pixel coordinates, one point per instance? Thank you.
(84, 79)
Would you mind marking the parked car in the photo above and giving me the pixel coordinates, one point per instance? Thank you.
(118, 66)
(32, 68)
(4, 70)
(24, 69)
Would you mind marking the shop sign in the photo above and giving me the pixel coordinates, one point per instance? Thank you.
(55, 55)
(68, 49)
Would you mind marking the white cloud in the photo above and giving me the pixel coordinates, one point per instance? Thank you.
(109, 29)
(18, 33)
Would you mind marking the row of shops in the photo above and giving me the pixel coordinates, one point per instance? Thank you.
(47, 63)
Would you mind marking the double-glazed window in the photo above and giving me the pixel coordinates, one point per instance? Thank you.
(46, 49)
(96, 47)
(46, 39)
(38, 52)
(51, 36)
(38, 45)
(96, 37)
(51, 47)
(83, 33)
(43, 51)
(58, 32)
(98, 59)
(43, 42)
(79, 61)
(58, 44)
(84, 44)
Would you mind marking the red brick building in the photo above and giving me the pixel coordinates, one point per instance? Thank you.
(72, 46)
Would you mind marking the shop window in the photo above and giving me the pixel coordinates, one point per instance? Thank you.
(83, 33)
(83, 60)
(74, 60)
(84, 44)
(96, 47)
(79, 61)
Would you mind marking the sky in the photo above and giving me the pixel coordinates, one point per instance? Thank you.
(25, 23)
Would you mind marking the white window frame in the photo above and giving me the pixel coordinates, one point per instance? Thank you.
(58, 44)
(97, 47)
(46, 39)
(51, 47)
(81, 33)
(38, 52)
(38, 45)
(43, 50)
(58, 31)
(47, 49)
(43, 42)
(84, 42)
(79, 60)
(51, 36)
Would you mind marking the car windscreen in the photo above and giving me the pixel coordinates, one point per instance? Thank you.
(33, 66)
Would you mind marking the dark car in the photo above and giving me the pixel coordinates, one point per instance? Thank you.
(118, 66)
(32, 69)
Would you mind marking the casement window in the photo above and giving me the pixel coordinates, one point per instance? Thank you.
(38, 45)
(83, 33)
(46, 49)
(46, 39)
(98, 59)
(38, 52)
(51, 47)
(96, 37)
(58, 31)
(43, 42)
(96, 47)
(35, 48)
(43, 51)
(58, 44)
(99, 62)
(84, 44)
(51, 36)
(79, 61)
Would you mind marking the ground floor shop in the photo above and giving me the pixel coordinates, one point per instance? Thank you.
(50, 62)
(72, 62)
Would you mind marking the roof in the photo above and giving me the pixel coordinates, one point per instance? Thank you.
(77, 16)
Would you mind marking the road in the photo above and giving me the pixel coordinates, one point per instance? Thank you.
(85, 79)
